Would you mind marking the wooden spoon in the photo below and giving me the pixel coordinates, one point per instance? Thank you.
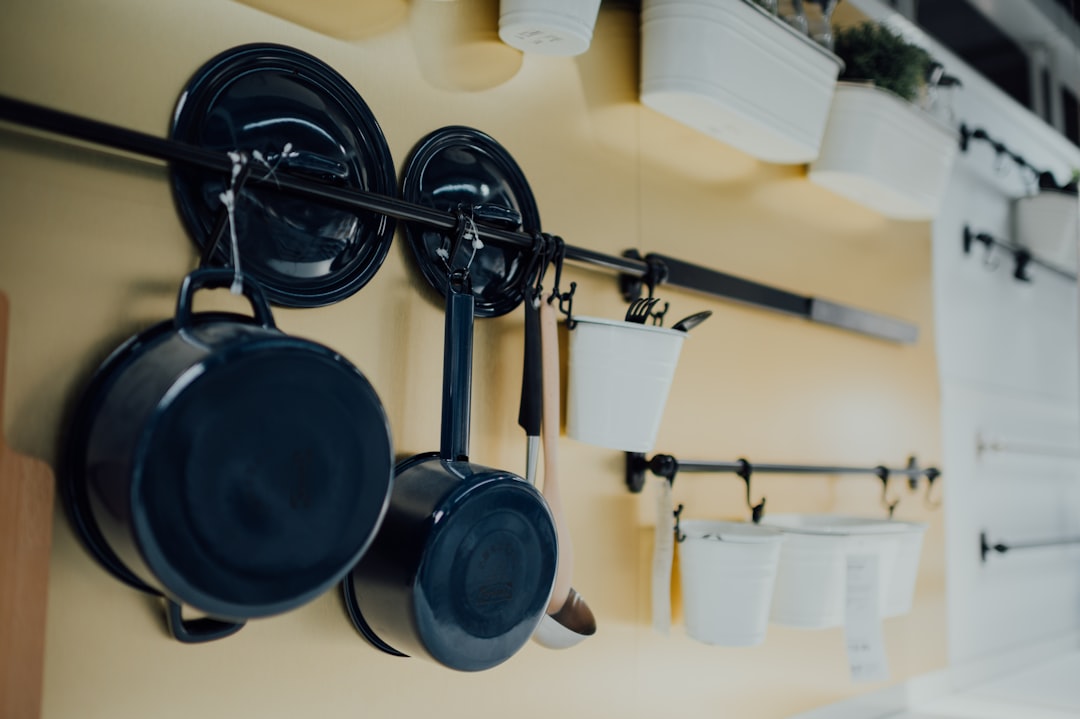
(549, 343)
(26, 511)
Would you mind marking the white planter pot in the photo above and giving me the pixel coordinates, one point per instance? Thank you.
(884, 153)
(732, 71)
(1048, 224)
(548, 27)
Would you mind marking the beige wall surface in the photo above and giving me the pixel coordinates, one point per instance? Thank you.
(92, 250)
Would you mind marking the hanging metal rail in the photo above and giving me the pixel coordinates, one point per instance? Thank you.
(985, 547)
(652, 269)
(667, 466)
(1022, 256)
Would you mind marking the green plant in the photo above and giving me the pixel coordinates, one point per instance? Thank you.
(872, 51)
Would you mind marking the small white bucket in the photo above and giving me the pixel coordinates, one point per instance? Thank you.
(811, 579)
(548, 27)
(727, 570)
(620, 375)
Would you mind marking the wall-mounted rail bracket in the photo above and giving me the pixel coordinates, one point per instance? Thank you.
(985, 547)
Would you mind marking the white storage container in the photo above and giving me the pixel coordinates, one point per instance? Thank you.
(620, 375)
(733, 71)
(812, 573)
(885, 153)
(1048, 224)
(727, 574)
(548, 27)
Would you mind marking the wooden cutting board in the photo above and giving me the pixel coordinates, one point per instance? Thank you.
(26, 512)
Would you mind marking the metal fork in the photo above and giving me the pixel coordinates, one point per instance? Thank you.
(640, 310)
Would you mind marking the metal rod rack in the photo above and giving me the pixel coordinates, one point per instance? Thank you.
(651, 269)
(967, 134)
(985, 547)
(984, 445)
(1022, 256)
(667, 466)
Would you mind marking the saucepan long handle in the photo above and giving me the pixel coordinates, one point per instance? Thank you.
(457, 369)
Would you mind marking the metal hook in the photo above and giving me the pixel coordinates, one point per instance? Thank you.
(461, 229)
(658, 317)
(745, 470)
(882, 473)
(1023, 259)
(221, 224)
(1000, 152)
(679, 536)
(990, 259)
(566, 299)
(558, 256)
(931, 476)
(537, 267)
(656, 274)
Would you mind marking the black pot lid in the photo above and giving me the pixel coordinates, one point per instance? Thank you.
(459, 165)
(301, 117)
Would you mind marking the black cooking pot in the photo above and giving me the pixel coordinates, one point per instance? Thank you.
(219, 463)
(462, 567)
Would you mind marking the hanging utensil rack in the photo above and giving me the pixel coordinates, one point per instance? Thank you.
(967, 134)
(634, 269)
(1022, 257)
(667, 466)
(985, 547)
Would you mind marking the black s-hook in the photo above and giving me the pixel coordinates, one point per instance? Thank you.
(744, 471)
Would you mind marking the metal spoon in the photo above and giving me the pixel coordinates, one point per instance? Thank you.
(688, 323)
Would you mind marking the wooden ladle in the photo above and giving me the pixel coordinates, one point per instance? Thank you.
(568, 619)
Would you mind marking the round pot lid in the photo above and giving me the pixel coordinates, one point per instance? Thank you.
(287, 112)
(456, 166)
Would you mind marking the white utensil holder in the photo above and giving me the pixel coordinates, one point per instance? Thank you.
(727, 574)
(619, 379)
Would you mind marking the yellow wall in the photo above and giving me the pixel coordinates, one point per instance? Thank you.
(91, 250)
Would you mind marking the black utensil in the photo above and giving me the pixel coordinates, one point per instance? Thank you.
(688, 323)
(640, 310)
(529, 416)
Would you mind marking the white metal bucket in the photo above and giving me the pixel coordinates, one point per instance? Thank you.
(1049, 225)
(548, 27)
(619, 378)
(728, 69)
(727, 573)
(812, 573)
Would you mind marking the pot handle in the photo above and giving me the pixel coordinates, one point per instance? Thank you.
(196, 631)
(213, 277)
(457, 368)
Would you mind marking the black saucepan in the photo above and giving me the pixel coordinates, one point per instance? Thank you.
(222, 464)
(462, 567)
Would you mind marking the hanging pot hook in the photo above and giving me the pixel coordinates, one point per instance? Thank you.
(537, 267)
(931, 476)
(745, 470)
(566, 299)
(679, 536)
(882, 473)
(461, 230)
(241, 172)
